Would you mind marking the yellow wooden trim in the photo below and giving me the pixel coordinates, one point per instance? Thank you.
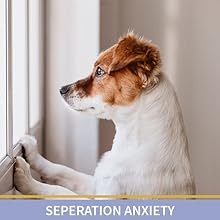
(109, 196)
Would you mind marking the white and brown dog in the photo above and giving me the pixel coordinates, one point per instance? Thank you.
(149, 154)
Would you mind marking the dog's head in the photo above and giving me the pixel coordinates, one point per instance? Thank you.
(118, 77)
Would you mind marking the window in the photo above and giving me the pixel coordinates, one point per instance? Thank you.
(20, 79)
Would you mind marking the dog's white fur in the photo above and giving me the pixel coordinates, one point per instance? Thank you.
(149, 153)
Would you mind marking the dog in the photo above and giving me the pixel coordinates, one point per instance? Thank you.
(149, 154)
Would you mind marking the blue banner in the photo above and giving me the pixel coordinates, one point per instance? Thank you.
(45, 209)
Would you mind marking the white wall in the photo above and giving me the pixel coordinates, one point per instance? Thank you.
(188, 34)
(72, 44)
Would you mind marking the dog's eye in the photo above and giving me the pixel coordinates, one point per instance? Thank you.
(99, 72)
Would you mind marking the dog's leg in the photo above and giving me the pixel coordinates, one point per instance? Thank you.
(54, 173)
(27, 185)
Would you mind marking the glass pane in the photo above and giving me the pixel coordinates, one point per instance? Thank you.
(2, 80)
(34, 59)
(19, 68)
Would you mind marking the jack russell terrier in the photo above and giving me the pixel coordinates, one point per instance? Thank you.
(149, 154)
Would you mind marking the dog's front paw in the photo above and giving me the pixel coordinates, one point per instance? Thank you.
(29, 144)
(23, 180)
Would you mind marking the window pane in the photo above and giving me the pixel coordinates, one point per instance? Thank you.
(2, 80)
(19, 68)
(34, 60)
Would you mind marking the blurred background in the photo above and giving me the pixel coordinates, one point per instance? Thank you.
(65, 37)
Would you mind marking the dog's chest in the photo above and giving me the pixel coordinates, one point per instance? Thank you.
(109, 166)
(124, 172)
(117, 163)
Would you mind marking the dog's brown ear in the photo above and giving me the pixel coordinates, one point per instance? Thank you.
(138, 54)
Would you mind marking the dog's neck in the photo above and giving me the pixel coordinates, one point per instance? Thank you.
(154, 122)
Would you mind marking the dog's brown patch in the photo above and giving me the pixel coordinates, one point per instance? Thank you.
(117, 88)
(140, 55)
(130, 65)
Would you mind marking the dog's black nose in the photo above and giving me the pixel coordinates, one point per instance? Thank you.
(65, 89)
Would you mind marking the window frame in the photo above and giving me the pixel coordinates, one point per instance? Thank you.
(7, 162)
